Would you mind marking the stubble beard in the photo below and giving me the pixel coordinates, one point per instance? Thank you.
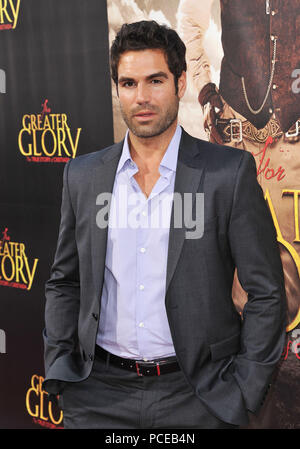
(145, 130)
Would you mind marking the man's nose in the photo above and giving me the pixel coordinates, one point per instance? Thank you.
(143, 94)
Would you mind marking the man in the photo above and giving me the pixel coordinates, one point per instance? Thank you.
(141, 330)
(255, 107)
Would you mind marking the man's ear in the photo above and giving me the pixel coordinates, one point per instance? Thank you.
(181, 85)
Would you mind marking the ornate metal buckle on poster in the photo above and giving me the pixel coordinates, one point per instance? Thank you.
(272, 129)
(295, 133)
(248, 131)
(236, 136)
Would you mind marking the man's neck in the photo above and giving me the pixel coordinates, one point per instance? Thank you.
(148, 152)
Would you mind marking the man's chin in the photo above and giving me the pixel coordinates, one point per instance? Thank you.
(142, 131)
(146, 131)
(145, 134)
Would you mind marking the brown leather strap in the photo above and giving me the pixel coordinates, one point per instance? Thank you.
(231, 130)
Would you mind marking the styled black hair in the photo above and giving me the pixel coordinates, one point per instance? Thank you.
(149, 35)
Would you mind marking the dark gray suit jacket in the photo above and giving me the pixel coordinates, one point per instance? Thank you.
(228, 359)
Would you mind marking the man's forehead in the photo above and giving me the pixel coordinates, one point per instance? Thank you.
(142, 63)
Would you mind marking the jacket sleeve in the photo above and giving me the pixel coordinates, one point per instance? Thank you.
(254, 247)
(63, 288)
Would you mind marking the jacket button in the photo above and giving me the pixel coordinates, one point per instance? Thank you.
(91, 357)
(95, 315)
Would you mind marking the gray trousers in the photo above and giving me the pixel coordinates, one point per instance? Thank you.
(113, 398)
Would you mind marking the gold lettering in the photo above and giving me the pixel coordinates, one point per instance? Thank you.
(39, 120)
(35, 152)
(3, 9)
(17, 248)
(19, 269)
(30, 273)
(12, 248)
(46, 122)
(289, 248)
(6, 277)
(42, 393)
(61, 141)
(22, 250)
(33, 122)
(280, 238)
(51, 415)
(6, 249)
(64, 121)
(15, 11)
(57, 121)
(295, 193)
(34, 389)
(74, 146)
(52, 116)
(21, 148)
(54, 142)
(40, 408)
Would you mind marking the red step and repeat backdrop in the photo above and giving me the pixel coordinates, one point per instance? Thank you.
(57, 102)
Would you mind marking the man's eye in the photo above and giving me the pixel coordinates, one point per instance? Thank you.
(128, 84)
(156, 81)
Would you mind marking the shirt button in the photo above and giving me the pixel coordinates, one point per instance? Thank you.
(143, 250)
(144, 213)
(271, 111)
(274, 86)
(142, 287)
(141, 325)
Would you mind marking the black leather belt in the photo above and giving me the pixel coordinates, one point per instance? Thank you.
(142, 368)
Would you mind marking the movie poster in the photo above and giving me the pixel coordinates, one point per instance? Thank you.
(244, 82)
(55, 104)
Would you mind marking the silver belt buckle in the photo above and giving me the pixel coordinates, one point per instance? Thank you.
(296, 133)
(233, 136)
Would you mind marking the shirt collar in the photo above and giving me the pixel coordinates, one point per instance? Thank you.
(169, 161)
(125, 156)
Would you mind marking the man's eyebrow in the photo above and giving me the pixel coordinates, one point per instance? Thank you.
(158, 75)
(124, 79)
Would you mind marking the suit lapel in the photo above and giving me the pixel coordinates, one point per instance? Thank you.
(102, 181)
(187, 180)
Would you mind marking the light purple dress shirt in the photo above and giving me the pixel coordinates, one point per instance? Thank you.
(133, 320)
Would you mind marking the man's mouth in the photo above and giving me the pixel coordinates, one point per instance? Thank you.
(144, 115)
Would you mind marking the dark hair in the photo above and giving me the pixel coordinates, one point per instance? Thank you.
(147, 35)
